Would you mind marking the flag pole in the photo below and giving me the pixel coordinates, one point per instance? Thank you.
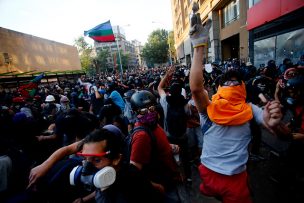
(110, 49)
(121, 71)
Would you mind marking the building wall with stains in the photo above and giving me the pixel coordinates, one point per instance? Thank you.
(22, 53)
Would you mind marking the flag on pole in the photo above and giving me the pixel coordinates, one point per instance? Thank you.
(29, 90)
(101, 33)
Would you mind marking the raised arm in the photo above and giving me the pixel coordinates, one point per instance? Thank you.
(199, 94)
(163, 82)
(199, 35)
(41, 170)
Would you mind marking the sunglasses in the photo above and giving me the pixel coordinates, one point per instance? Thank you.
(95, 158)
(143, 111)
(231, 83)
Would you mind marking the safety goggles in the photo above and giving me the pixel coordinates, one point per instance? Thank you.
(143, 111)
(232, 83)
(95, 158)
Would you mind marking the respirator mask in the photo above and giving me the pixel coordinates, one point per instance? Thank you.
(91, 177)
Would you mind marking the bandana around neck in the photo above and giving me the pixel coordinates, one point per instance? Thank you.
(229, 107)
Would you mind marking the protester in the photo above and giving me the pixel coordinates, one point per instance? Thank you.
(153, 157)
(175, 118)
(224, 154)
(102, 151)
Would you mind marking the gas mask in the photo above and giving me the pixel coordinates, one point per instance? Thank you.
(89, 176)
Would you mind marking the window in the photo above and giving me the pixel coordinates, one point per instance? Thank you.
(253, 2)
(231, 13)
(279, 47)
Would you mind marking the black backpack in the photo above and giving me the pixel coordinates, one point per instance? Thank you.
(176, 120)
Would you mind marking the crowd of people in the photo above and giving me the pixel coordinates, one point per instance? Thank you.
(43, 137)
(135, 138)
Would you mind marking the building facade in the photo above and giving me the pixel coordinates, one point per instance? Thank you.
(138, 51)
(132, 49)
(20, 53)
(228, 34)
(249, 30)
(276, 30)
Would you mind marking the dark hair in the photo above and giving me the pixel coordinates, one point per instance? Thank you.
(114, 143)
(229, 75)
(175, 88)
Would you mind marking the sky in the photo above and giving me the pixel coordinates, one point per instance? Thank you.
(66, 20)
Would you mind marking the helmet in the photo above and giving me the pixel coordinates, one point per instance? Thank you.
(142, 99)
(129, 94)
(260, 80)
(50, 98)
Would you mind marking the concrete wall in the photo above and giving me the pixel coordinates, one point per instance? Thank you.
(30, 53)
(238, 27)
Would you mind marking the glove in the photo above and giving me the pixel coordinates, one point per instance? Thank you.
(198, 33)
(94, 88)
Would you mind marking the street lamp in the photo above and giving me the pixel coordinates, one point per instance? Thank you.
(167, 42)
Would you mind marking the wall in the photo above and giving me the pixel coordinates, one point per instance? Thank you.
(268, 10)
(30, 53)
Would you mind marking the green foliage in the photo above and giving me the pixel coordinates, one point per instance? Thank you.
(100, 62)
(85, 61)
(156, 49)
(82, 45)
(84, 50)
(125, 58)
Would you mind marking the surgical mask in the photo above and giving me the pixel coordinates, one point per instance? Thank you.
(90, 177)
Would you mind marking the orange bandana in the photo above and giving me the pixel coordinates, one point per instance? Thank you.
(229, 107)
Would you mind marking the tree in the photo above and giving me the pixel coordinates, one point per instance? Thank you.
(84, 50)
(156, 49)
(125, 60)
(101, 60)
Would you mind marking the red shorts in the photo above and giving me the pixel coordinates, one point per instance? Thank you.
(231, 189)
